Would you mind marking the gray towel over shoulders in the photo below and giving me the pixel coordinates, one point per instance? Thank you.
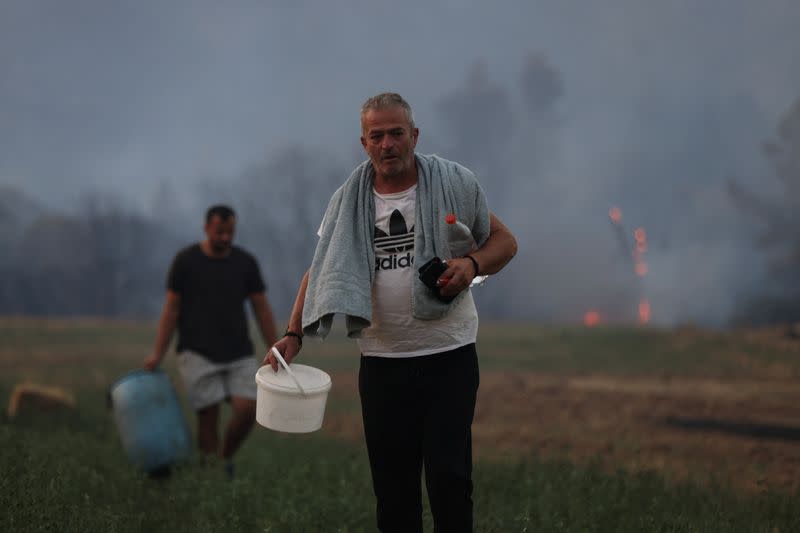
(343, 268)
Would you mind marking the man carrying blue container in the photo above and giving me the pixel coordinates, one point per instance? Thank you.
(207, 286)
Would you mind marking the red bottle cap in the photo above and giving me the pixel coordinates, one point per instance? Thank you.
(450, 219)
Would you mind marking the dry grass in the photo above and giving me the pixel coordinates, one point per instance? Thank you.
(743, 434)
(688, 403)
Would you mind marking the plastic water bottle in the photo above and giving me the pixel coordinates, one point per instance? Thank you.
(459, 237)
(461, 242)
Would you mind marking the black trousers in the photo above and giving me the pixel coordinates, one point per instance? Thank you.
(418, 411)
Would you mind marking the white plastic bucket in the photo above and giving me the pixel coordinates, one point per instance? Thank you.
(293, 399)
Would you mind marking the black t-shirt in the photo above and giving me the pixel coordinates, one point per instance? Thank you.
(212, 320)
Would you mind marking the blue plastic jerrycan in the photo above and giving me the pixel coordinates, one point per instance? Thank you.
(150, 421)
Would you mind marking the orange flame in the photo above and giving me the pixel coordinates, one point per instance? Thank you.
(644, 311)
(640, 267)
(591, 319)
(615, 215)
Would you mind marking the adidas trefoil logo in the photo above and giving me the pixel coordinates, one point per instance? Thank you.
(399, 239)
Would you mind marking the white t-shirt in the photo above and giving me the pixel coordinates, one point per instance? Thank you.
(394, 332)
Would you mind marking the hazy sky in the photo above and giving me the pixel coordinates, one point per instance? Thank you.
(663, 100)
(123, 93)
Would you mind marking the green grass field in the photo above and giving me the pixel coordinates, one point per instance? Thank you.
(68, 472)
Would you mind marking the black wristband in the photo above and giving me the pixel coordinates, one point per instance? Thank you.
(474, 263)
(296, 335)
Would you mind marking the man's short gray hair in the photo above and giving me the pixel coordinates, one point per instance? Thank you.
(387, 100)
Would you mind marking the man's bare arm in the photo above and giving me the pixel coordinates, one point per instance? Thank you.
(500, 247)
(166, 327)
(289, 346)
(264, 317)
(498, 250)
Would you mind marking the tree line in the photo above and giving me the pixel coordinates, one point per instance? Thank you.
(105, 258)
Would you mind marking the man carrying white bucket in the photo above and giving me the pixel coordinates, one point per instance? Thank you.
(419, 370)
(207, 286)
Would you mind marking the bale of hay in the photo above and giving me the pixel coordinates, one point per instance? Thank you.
(39, 398)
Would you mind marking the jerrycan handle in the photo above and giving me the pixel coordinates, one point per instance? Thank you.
(281, 360)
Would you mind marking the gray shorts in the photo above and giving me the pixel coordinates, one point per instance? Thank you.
(208, 383)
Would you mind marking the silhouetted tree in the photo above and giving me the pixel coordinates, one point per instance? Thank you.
(17, 211)
(126, 252)
(541, 87)
(478, 120)
(103, 260)
(779, 217)
(281, 202)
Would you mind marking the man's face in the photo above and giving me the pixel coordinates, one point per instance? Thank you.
(389, 141)
(220, 233)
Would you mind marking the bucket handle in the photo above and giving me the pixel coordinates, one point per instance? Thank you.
(280, 359)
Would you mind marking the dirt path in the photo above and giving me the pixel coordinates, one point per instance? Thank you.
(745, 434)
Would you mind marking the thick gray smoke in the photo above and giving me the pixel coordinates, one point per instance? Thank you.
(563, 108)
